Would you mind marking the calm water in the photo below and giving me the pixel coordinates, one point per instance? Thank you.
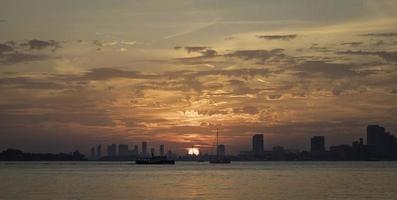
(190, 180)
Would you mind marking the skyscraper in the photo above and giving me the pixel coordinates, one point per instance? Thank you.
(123, 150)
(152, 151)
(135, 151)
(144, 148)
(257, 145)
(375, 135)
(92, 155)
(317, 144)
(162, 150)
(99, 151)
(112, 150)
(381, 141)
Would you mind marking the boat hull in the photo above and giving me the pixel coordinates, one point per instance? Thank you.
(220, 161)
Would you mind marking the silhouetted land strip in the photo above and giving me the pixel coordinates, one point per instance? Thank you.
(18, 155)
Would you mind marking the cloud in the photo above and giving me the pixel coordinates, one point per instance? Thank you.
(206, 53)
(330, 70)
(30, 83)
(390, 34)
(4, 48)
(17, 57)
(3, 21)
(110, 73)
(12, 52)
(277, 37)
(191, 49)
(259, 54)
(246, 110)
(42, 44)
(386, 55)
(353, 44)
(113, 43)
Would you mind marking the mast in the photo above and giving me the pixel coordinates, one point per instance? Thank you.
(217, 137)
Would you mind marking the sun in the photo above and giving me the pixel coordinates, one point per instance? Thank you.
(193, 151)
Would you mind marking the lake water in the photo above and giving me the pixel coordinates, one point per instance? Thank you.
(191, 180)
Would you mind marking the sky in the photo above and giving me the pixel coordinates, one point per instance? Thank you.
(74, 74)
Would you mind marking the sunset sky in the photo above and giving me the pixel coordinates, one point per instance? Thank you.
(79, 73)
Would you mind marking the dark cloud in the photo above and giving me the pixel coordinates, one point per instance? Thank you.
(5, 48)
(274, 96)
(277, 37)
(240, 88)
(41, 44)
(17, 57)
(12, 52)
(30, 83)
(353, 44)
(213, 112)
(330, 70)
(318, 48)
(260, 54)
(3, 21)
(109, 73)
(86, 118)
(386, 55)
(390, 34)
(244, 72)
(206, 53)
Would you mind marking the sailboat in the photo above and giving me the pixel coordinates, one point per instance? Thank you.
(219, 159)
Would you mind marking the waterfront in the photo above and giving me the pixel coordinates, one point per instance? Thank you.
(194, 180)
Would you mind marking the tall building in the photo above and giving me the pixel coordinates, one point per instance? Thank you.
(123, 150)
(381, 141)
(162, 150)
(152, 151)
(99, 151)
(220, 150)
(375, 135)
(112, 150)
(92, 155)
(144, 148)
(135, 151)
(317, 144)
(257, 145)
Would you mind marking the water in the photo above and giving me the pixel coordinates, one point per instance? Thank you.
(191, 180)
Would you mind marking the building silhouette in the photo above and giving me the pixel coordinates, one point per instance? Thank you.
(123, 150)
(99, 151)
(92, 153)
(382, 143)
(317, 144)
(135, 152)
(162, 150)
(257, 145)
(152, 151)
(112, 150)
(144, 148)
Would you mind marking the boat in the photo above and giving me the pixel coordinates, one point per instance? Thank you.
(219, 159)
(155, 160)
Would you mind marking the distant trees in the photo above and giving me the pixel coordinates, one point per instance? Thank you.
(18, 155)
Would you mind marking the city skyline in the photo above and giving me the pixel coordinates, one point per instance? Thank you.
(376, 135)
(77, 74)
(379, 145)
